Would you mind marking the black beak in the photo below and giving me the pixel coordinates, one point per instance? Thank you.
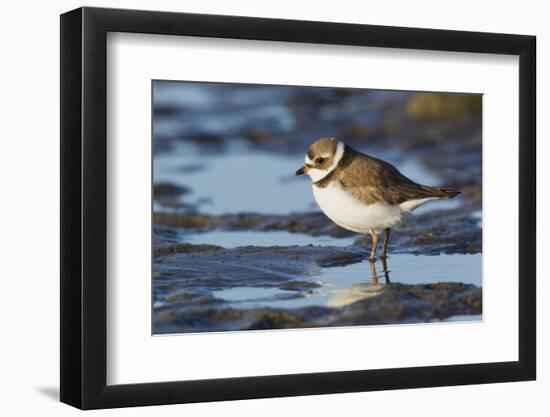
(301, 171)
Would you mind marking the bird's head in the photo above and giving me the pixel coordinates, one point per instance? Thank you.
(322, 157)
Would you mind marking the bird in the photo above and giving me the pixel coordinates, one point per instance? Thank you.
(362, 193)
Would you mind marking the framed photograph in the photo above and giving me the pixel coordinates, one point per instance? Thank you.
(257, 208)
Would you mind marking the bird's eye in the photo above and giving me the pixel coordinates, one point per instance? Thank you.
(319, 160)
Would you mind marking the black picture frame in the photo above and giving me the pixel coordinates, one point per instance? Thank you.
(84, 207)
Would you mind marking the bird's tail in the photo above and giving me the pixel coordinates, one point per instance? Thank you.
(428, 191)
(448, 192)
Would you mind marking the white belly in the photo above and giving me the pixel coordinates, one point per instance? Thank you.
(347, 212)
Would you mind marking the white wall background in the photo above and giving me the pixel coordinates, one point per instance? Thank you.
(29, 238)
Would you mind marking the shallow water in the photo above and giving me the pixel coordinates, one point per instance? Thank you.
(462, 317)
(233, 239)
(478, 215)
(348, 284)
(237, 182)
(340, 284)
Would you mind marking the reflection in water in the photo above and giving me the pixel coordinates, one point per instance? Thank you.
(361, 291)
(330, 294)
(385, 271)
(355, 293)
(338, 287)
(341, 286)
(411, 269)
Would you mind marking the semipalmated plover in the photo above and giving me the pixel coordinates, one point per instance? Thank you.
(361, 193)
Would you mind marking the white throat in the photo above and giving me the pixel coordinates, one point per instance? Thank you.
(318, 174)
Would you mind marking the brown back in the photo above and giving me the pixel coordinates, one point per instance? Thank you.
(372, 180)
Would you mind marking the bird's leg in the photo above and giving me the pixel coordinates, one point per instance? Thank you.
(374, 274)
(383, 255)
(386, 271)
(374, 237)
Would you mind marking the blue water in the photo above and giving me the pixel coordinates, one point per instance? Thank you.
(347, 284)
(233, 239)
